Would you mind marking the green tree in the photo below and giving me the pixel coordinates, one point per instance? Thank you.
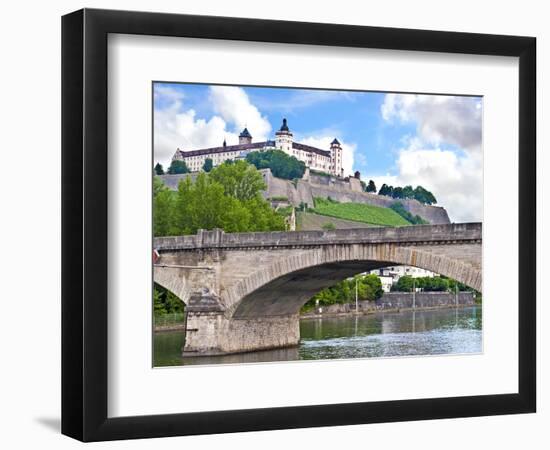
(386, 190)
(397, 192)
(228, 198)
(419, 193)
(371, 187)
(159, 170)
(435, 284)
(281, 165)
(178, 167)
(165, 301)
(428, 284)
(404, 284)
(158, 304)
(240, 180)
(399, 208)
(424, 196)
(163, 209)
(203, 204)
(208, 165)
(408, 192)
(263, 217)
(369, 287)
(328, 226)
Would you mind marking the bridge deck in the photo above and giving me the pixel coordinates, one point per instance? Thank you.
(417, 234)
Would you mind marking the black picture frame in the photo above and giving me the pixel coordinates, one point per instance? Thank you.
(84, 224)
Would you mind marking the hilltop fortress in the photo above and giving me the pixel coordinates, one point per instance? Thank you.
(329, 161)
(323, 177)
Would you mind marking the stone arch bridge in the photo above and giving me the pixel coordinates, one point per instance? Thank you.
(243, 291)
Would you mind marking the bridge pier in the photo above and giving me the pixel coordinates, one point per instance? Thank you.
(211, 333)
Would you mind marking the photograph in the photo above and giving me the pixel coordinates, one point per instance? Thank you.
(267, 225)
(299, 224)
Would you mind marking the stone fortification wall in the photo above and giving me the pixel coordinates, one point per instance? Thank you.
(304, 191)
(172, 181)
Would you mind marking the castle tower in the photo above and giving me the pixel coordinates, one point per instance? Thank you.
(283, 138)
(245, 137)
(336, 158)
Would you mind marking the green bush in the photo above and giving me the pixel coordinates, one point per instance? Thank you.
(400, 209)
(178, 167)
(419, 193)
(285, 212)
(319, 173)
(369, 287)
(281, 165)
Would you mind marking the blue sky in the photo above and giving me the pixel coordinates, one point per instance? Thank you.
(396, 138)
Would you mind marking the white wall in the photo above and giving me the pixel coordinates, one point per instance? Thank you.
(30, 186)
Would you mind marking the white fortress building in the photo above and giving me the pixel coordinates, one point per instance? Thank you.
(329, 161)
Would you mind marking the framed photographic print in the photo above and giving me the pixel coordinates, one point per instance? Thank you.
(256, 211)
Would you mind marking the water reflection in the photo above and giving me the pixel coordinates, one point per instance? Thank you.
(433, 332)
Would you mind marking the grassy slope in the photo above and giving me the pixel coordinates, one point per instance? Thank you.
(308, 221)
(359, 212)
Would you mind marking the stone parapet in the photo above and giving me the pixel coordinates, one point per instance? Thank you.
(417, 234)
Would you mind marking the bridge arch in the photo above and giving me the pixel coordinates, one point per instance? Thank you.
(283, 286)
(173, 279)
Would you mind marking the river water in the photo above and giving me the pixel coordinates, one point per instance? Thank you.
(432, 332)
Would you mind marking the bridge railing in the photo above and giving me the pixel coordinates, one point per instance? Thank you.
(465, 232)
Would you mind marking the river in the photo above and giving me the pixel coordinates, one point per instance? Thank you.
(430, 332)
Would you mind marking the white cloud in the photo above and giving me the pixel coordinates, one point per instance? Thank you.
(168, 94)
(439, 118)
(234, 106)
(323, 142)
(177, 127)
(454, 176)
(181, 129)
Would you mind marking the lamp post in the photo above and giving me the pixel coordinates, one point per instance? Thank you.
(356, 298)
(414, 293)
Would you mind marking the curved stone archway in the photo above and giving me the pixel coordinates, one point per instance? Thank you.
(174, 280)
(283, 286)
(243, 290)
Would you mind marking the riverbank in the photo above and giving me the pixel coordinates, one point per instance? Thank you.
(392, 302)
(173, 327)
(169, 322)
(395, 302)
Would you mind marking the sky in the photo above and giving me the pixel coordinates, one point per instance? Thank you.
(399, 139)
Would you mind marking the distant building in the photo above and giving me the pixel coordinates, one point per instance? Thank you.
(387, 282)
(393, 273)
(329, 161)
